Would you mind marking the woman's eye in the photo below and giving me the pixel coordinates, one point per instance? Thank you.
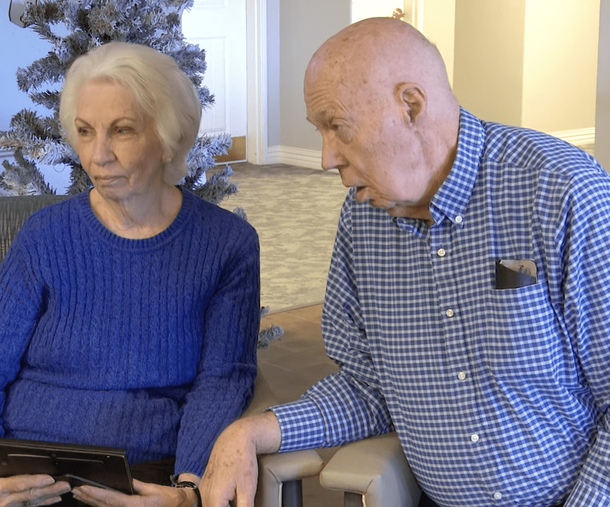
(83, 131)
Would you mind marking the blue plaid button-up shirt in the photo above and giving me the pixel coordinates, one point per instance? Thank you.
(499, 396)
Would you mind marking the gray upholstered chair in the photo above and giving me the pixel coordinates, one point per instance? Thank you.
(372, 473)
(15, 210)
(280, 474)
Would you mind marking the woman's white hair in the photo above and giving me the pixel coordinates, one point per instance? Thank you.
(163, 92)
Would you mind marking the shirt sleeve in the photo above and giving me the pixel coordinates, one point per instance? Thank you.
(21, 299)
(583, 276)
(225, 381)
(347, 405)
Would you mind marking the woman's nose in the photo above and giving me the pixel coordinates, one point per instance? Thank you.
(102, 150)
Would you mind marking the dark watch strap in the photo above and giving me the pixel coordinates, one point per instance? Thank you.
(187, 485)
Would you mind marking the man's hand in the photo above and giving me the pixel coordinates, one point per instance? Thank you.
(31, 490)
(232, 471)
(147, 495)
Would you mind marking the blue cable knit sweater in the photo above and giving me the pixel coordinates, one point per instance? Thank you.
(147, 345)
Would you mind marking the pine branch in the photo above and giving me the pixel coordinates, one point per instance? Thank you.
(79, 181)
(23, 178)
(266, 336)
(48, 99)
(217, 187)
(45, 70)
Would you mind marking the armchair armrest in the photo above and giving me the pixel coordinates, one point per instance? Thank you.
(375, 469)
(279, 475)
(279, 479)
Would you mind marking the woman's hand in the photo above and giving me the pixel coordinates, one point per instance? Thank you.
(31, 490)
(147, 495)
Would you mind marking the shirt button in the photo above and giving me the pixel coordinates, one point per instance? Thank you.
(449, 313)
(441, 252)
(497, 495)
(459, 219)
(474, 437)
(461, 375)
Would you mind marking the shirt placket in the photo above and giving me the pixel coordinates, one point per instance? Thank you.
(470, 433)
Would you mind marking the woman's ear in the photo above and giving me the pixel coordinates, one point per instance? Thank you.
(412, 98)
(166, 156)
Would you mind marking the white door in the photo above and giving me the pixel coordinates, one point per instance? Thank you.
(219, 27)
(410, 11)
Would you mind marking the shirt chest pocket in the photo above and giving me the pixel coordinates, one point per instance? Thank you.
(520, 336)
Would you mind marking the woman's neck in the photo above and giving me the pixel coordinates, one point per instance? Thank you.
(140, 216)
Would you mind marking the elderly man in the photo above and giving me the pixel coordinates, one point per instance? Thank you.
(468, 299)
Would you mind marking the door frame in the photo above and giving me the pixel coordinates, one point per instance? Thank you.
(256, 72)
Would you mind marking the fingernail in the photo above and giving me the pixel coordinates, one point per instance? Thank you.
(46, 481)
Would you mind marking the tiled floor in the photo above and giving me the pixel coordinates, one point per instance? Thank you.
(290, 366)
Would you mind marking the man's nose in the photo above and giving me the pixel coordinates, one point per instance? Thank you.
(102, 150)
(332, 157)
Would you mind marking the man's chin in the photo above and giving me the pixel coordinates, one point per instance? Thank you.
(398, 211)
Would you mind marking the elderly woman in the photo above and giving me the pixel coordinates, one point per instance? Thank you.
(129, 313)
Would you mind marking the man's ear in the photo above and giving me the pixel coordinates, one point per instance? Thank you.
(412, 97)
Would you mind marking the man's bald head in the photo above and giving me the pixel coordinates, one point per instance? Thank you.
(379, 95)
(382, 52)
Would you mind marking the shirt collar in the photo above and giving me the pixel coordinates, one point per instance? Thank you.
(452, 197)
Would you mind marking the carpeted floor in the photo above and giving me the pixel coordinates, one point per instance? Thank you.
(295, 212)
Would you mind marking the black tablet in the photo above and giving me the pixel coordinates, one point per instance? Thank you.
(103, 467)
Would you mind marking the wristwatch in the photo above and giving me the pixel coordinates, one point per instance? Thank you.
(187, 485)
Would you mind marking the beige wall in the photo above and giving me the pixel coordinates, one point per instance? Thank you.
(439, 28)
(488, 58)
(520, 62)
(304, 26)
(560, 64)
(602, 119)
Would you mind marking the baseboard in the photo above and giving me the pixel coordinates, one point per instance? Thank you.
(579, 137)
(300, 157)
